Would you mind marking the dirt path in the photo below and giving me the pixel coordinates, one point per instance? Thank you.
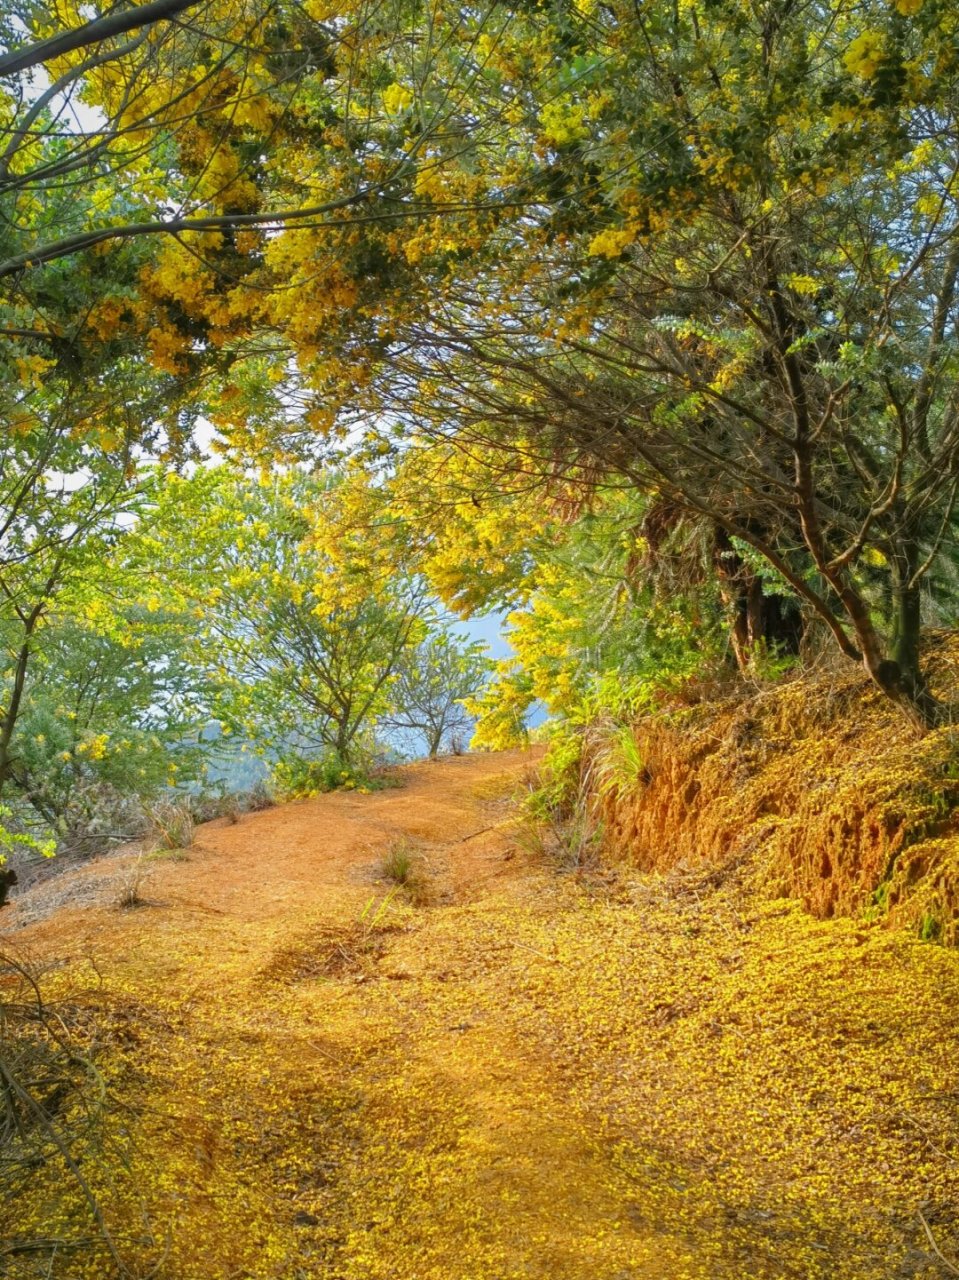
(508, 1074)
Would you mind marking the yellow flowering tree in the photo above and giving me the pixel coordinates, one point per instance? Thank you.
(731, 282)
(711, 253)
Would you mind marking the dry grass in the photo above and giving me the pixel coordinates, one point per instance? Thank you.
(572, 841)
(404, 864)
(172, 825)
(133, 879)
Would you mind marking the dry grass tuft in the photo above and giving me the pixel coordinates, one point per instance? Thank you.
(132, 882)
(404, 865)
(171, 824)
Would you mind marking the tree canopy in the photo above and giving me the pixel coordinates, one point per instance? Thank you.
(666, 295)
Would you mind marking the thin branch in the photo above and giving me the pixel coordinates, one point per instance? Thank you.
(94, 32)
(950, 1267)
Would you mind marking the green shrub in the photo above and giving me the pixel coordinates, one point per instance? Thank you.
(295, 777)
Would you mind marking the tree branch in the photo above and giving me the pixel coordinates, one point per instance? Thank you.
(94, 32)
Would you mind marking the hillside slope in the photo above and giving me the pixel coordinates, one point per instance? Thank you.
(510, 1074)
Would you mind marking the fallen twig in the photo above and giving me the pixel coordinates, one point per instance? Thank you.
(950, 1266)
(542, 954)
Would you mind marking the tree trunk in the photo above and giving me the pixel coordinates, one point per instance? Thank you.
(906, 619)
(759, 621)
(900, 676)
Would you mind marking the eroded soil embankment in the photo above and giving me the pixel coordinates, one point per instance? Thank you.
(819, 784)
(518, 1074)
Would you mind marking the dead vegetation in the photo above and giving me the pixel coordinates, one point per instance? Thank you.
(334, 951)
(171, 824)
(56, 1115)
(133, 879)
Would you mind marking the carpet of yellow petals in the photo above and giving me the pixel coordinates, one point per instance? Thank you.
(513, 1074)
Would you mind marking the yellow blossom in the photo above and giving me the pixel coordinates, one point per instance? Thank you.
(864, 56)
(611, 242)
(397, 98)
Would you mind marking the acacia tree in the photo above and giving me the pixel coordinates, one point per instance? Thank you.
(112, 714)
(202, 122)
(261, 167)
(307, 674)
(81, 423)
(708, 252)
(60, 523)
(736, 289)
(197, 81)
(67, 506)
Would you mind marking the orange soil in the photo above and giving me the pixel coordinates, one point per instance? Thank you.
(510, 1074)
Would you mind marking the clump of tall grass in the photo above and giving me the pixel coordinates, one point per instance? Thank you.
(171, 824)
(403, 865)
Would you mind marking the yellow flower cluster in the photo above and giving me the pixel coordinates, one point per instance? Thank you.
(864, 56)
(564, 121)
(397, 98)
(611, 242)
(94, 747)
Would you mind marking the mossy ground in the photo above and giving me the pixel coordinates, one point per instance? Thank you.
(537, 1076)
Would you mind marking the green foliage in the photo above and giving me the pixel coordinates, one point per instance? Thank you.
(295, 776)
(930, 928)
(303, 615)
(769, 666)
(13, 841)
(64, 504)
(107, 716)
(606, 631)
(620, 765)
(647, 360)
(559, 817)
(559, 784)
(432, 688)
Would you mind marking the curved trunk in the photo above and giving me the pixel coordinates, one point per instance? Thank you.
(760, 621)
